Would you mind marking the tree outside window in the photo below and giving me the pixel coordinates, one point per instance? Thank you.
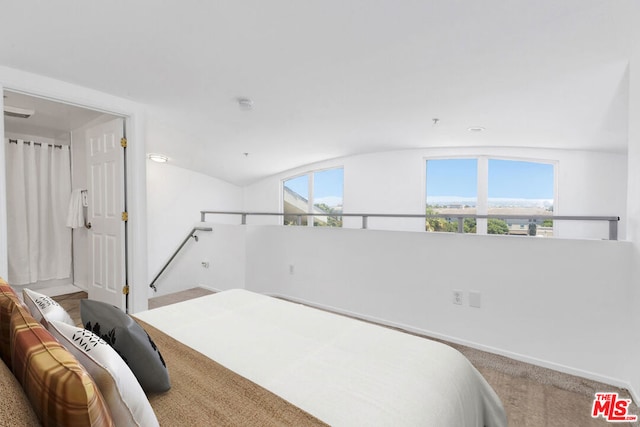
(508, 187)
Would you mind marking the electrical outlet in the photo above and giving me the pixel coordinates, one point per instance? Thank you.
(458, 296)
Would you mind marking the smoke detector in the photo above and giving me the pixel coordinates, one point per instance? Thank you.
(245, 104)
(21, 113)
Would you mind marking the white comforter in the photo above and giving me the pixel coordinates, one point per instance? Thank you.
(343, 371)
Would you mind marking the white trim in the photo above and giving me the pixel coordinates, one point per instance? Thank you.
(556, 194)
(4, 263)
(310, 181)
(482, 194)
(209, 288)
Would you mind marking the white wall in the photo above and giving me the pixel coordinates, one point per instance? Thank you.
(25, 137)
(545, 301)
(223, 249)
(633, 211)
(175, 198)
(589, 183)
(538, 304)
(79, 180)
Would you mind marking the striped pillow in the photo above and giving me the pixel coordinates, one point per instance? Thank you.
(8, 300)
(60, 390)
(44, 308)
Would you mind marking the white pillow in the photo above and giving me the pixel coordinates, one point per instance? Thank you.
(125, 398)
(44, 308)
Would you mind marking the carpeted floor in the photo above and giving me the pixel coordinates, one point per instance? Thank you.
(532, 396)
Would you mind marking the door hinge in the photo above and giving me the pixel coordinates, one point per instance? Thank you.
(123, 142)
(125, 216)
(125, 289)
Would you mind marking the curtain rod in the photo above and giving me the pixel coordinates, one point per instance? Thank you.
(15, 141)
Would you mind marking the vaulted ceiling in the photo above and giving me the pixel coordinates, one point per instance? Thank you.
(333, 78)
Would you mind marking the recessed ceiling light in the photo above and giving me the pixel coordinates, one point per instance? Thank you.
(160, 158)
(475, 129)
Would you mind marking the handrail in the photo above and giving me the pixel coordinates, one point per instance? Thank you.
(184, 242)
(613, 220)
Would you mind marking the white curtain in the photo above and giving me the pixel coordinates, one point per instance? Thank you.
(38, 191)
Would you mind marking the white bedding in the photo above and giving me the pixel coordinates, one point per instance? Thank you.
(343, 371)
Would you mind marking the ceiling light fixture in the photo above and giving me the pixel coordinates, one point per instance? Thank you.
(475, 129)
(21, 113)
(160, 158)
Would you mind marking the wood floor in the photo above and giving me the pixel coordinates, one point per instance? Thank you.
(532, 396)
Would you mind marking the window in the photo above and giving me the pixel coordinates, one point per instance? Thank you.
(490, 186)
(320, 193)
(520, 188)
(452, 188)
(296, 199)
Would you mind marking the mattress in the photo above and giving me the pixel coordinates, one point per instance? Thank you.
(341, 370)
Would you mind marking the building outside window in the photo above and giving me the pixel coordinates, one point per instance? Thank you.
(490, 186)
(319, 193)
(521, 188)
(452, 188)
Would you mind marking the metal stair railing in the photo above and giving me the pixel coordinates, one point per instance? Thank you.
(192, 234)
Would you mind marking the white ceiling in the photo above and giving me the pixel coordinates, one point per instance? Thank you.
(333, 78)
(50, 119)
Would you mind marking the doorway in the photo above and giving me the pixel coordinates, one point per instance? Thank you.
(37, 121)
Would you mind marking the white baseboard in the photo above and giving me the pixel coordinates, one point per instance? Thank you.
(82, 286)
(634, 395)
(210, 288)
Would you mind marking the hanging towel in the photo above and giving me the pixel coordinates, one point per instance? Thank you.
(75, 217)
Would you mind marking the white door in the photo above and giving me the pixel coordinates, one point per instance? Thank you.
(105, 160)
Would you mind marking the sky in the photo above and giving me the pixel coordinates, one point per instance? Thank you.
(508, 179)
(527, 180)
(327, 186)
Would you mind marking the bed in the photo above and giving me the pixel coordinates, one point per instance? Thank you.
(342, 371)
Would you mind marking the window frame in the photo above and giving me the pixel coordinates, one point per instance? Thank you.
(482, 180)
(310, 189)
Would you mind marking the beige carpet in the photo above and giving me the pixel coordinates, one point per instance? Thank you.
(535, 396)
(532, 396)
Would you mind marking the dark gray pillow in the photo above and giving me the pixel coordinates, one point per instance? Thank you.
(130, 341)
